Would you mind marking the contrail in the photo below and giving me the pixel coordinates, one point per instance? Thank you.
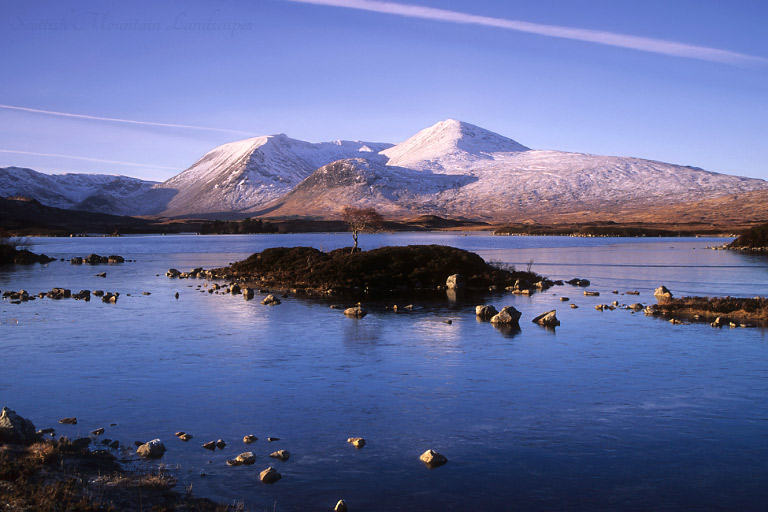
(117, 120)
(117, 162)
(645, 44)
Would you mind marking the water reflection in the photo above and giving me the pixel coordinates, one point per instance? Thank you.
(508, 330)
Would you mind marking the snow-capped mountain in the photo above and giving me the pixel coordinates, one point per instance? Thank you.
(394, 191)
(457, 169)
(252, 172)
(451, 147)
(90, 192)
(451, 169)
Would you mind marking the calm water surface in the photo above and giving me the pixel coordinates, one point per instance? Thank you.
(613, 411)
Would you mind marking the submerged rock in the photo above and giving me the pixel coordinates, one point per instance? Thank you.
(68, 421)
(249, 439)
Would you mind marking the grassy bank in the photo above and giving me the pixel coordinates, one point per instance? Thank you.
(57, 475)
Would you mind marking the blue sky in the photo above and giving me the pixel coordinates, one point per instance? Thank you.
(323, 72)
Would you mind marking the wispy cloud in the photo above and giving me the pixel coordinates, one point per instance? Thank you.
(645, 44)
(117, 120)
(88, 159)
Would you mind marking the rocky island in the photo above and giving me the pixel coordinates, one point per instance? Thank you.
(386, 270)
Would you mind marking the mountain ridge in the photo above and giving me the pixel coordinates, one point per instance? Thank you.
(451, 169)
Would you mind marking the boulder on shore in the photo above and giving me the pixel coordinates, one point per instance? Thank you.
(16, 430)
(548, 319)
(508, 315)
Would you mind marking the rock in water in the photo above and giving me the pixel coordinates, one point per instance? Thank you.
(270, 300)
(662, 293)
(14, 429)
(68, 421)
(151, 450)
(280, 454)
(341, 506)
(270, 475)
(548, 319)
(508, 315)
(433, 459)
(210, 445)
(250, 439)
(357, 442)
(246, 458)
(485, 312)
(455, 282)
(355, 312)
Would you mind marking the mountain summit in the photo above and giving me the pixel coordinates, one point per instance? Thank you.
(253, 172)
(448, 144)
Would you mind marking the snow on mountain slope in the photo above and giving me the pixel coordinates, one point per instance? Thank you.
(254, 171)
(450, 146)
(392, 190)
(541, 181)
(91, 192)
(509, 186)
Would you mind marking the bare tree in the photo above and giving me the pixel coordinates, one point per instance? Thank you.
(361, 220)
